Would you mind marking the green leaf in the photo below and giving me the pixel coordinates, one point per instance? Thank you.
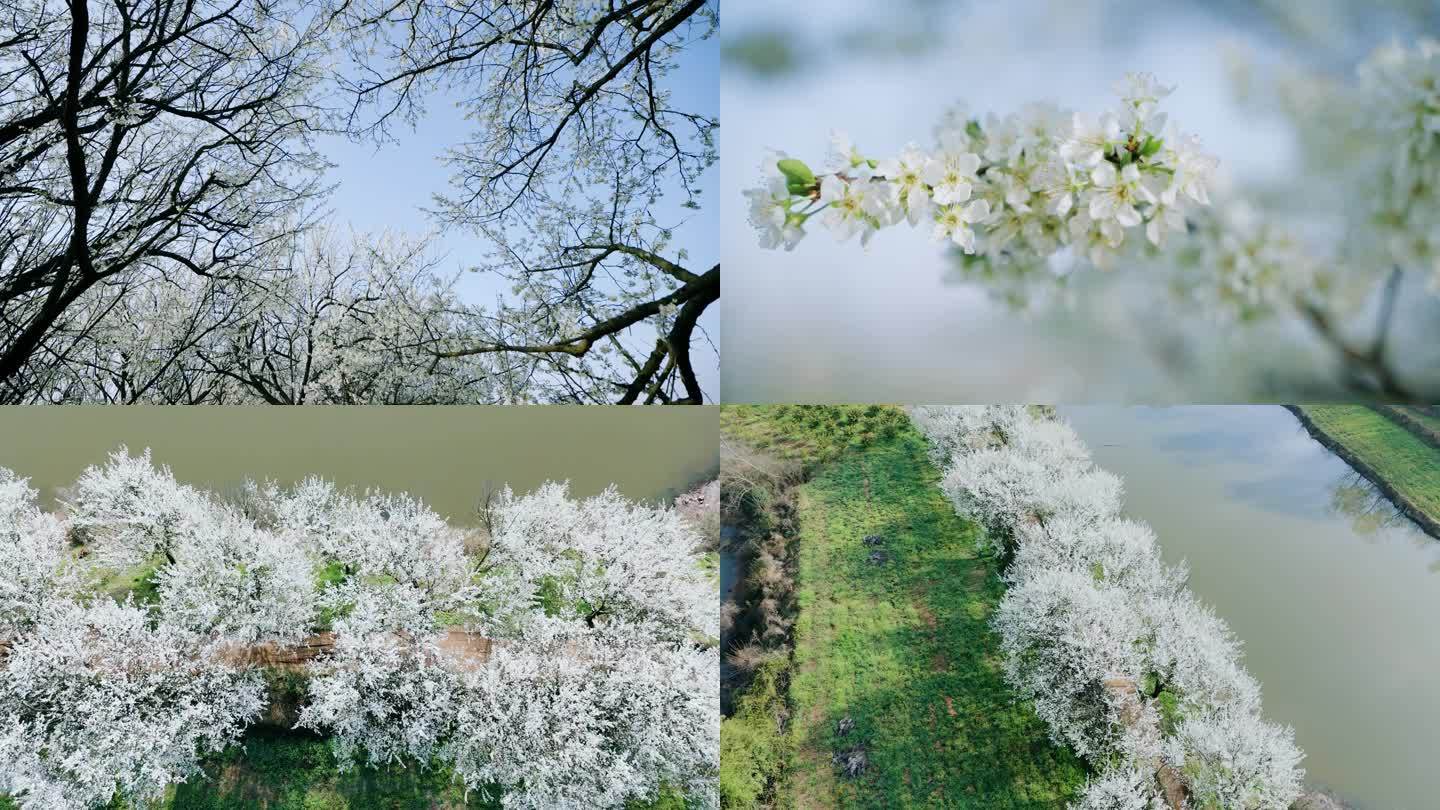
(1149, 684)
(1151, 146)
(972, 128)
(796, 174)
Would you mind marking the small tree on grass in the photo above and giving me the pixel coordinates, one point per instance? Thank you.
(1235, 759)
(591, 719)
(99, 701)
(128, 510)
(230, 579)
(385, 694)
(605, 559)
(1063, 636)
(32, 555)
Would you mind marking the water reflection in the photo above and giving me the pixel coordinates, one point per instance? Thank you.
(1366, 507)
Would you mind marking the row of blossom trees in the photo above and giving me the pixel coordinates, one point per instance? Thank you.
(1122, 662)
(585, 673)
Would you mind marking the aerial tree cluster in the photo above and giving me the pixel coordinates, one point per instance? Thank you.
(567, 659)
(163, 226)
(1122, 662)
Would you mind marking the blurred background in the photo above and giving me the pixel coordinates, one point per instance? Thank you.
(900, 322)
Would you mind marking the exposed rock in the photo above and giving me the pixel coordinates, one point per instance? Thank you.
(1316, 800)
(874, 540)
(845, 726)
(699, 502)
(878, 557)
(852, 761)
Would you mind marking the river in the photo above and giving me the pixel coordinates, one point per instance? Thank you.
(444, 455)
(1335, 595)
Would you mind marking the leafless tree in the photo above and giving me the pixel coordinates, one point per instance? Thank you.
(140, 140)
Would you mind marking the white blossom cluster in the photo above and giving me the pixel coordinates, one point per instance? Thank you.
(1365, 201)
(32, 555)
(572, 667)
(1402, 91)
(1018, 188)
(98, 699)
(1123, 664)
(589, 718)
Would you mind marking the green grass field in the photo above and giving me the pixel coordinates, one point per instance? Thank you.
(1406, 463)
(1424, 415)
(811, 434)
(902, 648)
(278, 769)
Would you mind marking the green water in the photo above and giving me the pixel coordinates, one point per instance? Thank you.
(444, 455)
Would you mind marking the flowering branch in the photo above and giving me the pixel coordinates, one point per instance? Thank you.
(1022, 186)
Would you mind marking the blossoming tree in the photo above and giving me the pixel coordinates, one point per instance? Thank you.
(161, 203)
(98, 701)
(578, 137)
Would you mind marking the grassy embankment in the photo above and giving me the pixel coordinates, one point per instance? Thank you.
(1418, 419)
(901, 647)
(1396, 459)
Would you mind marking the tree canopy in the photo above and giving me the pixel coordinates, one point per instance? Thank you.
(163, 227)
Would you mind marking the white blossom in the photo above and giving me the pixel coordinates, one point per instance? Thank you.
(1122, 663)
(853, 208)
(1091, 138)
(905, 175)
(604, 558)
(33, 556)
(769, 214)
(954, 221)
(1014, 191)
(1116, 194)
(951, 175)
(98, 701)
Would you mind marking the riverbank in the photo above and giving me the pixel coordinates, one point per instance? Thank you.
(1401, 464)
(893, 695)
